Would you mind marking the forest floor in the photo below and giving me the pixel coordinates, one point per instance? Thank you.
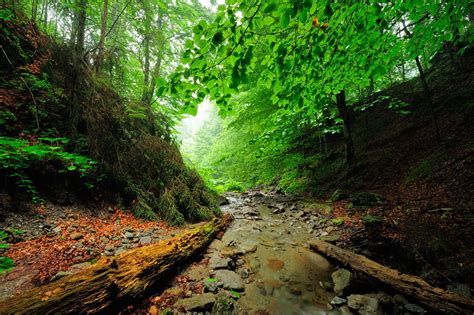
(262, 264)
(49, 241)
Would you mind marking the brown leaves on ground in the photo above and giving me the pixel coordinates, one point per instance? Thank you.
(42, 257)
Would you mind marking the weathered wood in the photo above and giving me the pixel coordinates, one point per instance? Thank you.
(413, 286)
(116, 279)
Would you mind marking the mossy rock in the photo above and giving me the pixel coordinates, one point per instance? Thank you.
(367, 199)
(339, 194)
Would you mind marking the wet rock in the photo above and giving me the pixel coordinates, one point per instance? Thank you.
(222, 201)
(129, 235)
(145, 240)
(217, 262)
(60, 275)
(414, 308)
(216, 245)
(341, 279)
(230, 280)
(212, 286)
(199, 302)
(57, 230)
(245, 273)
(363, 304)
(76, 235)
(338, 301)
(330, 238)
(326, 285)
(339, 194)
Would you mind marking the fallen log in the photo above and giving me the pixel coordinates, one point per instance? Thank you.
(413, 286)
(115, 280)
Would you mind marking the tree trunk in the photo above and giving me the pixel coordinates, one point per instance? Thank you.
(34, 10)
(349, 144)
(111, 282)
(426, 89)
(436, 298)
(103, 30)
(45, 9)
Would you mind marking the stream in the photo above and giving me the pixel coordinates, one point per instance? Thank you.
(285, 274)
(263, 261)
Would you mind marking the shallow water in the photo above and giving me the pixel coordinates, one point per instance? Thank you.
(285, 274)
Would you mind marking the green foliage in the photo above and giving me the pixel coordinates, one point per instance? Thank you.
(6, 14)
(338, 221)
(3, 235)
(4, 246)
(6, 264)
(17, 156)
(371, 219)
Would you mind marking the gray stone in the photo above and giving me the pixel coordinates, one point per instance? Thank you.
(230, 280)
(341, 279)
(145, 240)
(244, 273)
(76, 235)
(199, 302)
(218, 262)
(338, 301)
(110, 247)
(104, 239)
(414, 308)
(330, 238)
(363, 304)
(57, 230)
(129, 234)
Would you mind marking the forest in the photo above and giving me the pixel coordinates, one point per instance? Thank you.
(236, 157)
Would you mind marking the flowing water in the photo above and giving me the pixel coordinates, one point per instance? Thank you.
(285, 274)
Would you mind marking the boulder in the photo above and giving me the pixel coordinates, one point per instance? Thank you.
(145, 240)
(217, 262)
(341, 279)
(364, 304)
(229, 279)
(201, 302)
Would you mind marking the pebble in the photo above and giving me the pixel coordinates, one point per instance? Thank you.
(76, 235)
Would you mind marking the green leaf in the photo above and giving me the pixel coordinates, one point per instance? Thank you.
(269, 8)
(4, 246)
(284, 20)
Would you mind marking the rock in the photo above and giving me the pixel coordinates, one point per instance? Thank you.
(414, 308)
(120, 250)
(341, 279)
(363, 304)
(245, 273)
(460, 288)
(129, 235)
(222, 201)
(330, 238)
(145, 240)
(57, 230)
(216, 245)
(344, 310)
(326, 285)
(104, 239)
(211, 286)
(367, 199)
(400, 299)
(230, 280)
(60, 274)
(217, 262)
(338, 301)
(76, 235)
(110, 247)
(339, 194)
(201, 302)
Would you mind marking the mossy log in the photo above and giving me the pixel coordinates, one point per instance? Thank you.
(116, 280)
(412, 286)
